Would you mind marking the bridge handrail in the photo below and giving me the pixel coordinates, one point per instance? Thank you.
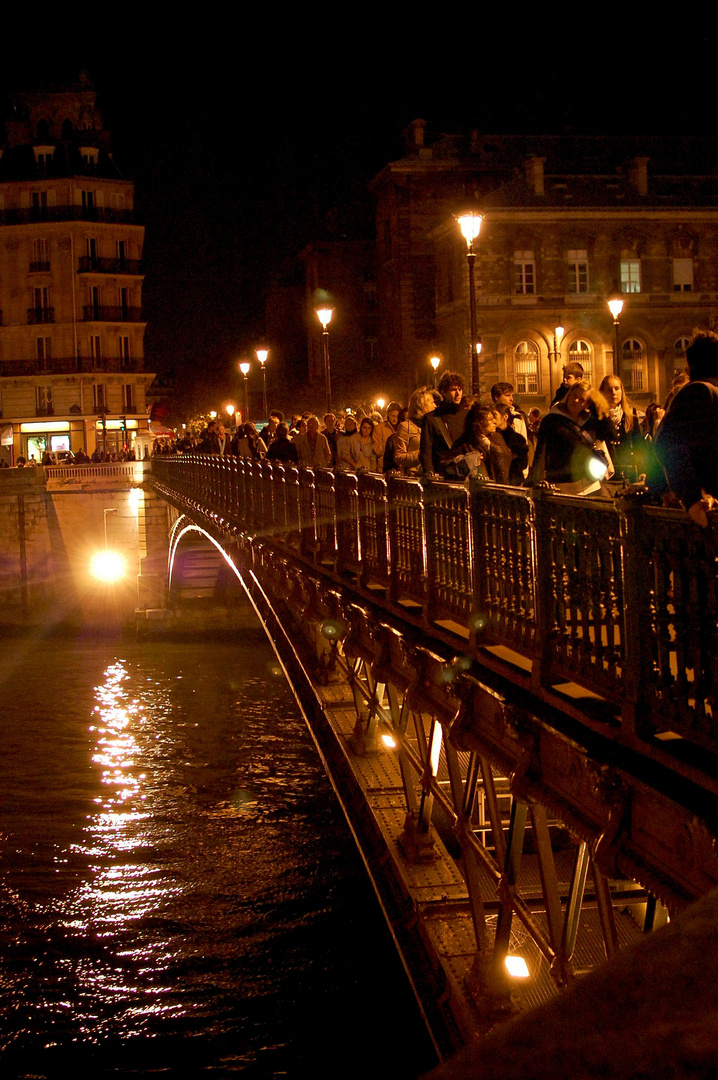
(612, 596)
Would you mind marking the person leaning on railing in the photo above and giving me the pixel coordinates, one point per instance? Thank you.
(687, 440)
(408, 434)
(571, 451)
(281, 448)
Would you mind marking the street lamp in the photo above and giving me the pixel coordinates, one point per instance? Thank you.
(262, 355)
(615, 306)
(229, 409)
(435, 362)
(557, 338)
(324, 314)
(244, 368)
(470, 224)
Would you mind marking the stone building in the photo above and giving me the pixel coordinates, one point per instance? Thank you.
(568, 220)
(71, 334)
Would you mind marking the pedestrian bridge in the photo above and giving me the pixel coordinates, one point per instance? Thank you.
(514, 692)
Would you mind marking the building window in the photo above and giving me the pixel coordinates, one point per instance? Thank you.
(580, 352)
(683, 275)
(43, 352)
(635, 368)
(39, 200)
(125, 352)
(91, 245)
(41, 312)
(93, 295)
(121, 254)
(577, 271)
(99, 397)
(128, 398)
(526, 368)
(125, 298)
(524, 273)
(630, 275)
(95, 346)
(40, 262)
(43, 401)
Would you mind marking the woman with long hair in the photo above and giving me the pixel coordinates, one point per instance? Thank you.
(624, 417)
(570, 449)
(408, 434)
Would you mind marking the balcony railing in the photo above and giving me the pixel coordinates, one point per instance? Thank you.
(90, 265)
(611, 596)
(101, 313)
(36, 315)
(69, 365)
(26, 215)
(40, 267)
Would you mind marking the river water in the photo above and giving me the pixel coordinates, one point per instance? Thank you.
(179, 893)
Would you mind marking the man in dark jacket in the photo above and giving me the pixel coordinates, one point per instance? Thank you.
(687, 441)
(442, 427)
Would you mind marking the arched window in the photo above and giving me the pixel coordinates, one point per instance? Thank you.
(635, 367)
(580, 352)
(526, 368)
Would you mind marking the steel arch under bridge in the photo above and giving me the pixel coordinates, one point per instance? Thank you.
(496, 824)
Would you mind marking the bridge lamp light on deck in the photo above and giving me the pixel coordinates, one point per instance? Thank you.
(229, 409)
(262, 355)
(470, 220)
(517, 967)
(389, 742)
(380, 402)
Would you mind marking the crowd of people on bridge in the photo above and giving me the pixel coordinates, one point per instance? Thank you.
(592, 441)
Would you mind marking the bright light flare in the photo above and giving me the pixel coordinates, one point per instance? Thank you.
(388, 741)
(615, 307)
(324, 314)
(596, 468)
(470, 225)
(107, 566)
(517, 967)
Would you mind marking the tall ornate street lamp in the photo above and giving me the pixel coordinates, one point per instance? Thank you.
(470, 224)
(557, 339)
(244, 368)
(262, 355)
(615, 306)
(435, 362)
(324, 314)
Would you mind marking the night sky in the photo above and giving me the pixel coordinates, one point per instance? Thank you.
(246, 141)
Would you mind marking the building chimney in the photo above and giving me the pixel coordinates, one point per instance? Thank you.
(414, 136)
(534, 174)
(638, 174)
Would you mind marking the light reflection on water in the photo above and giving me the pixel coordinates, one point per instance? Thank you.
(175, 880)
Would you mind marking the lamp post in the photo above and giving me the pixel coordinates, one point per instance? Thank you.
(615, 306)
(244, 368)
(229, 409)
(324, 314)
(470, 224)
(262, 355)
(435, 361)
(557, 338)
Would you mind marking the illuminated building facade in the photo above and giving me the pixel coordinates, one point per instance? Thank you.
(71, 334)
(568, 220)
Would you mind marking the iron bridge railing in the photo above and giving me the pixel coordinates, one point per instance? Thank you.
(611, 596)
